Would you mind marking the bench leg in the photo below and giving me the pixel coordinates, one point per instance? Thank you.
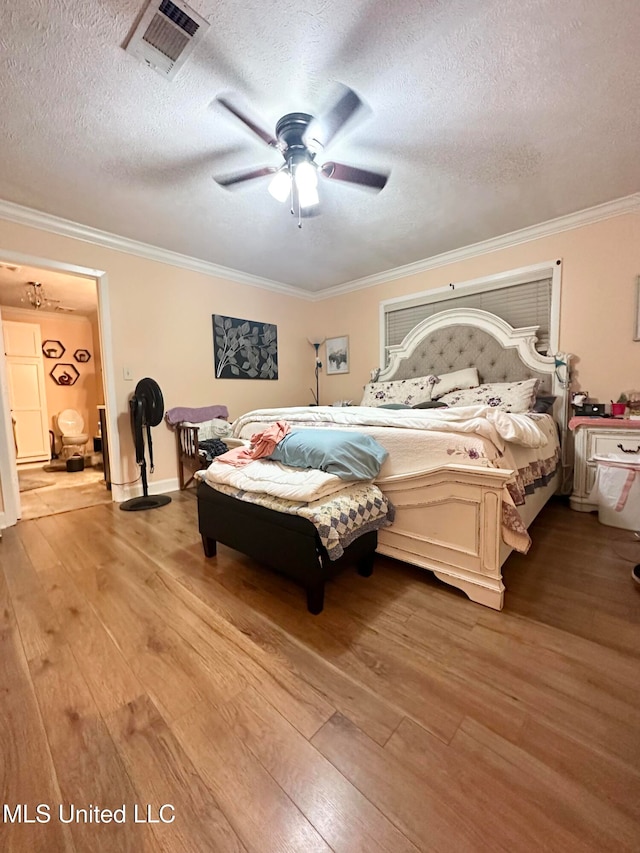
(315, 598)
(209, 546)
(365, 565)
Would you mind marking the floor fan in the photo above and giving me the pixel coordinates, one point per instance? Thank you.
(147, 409)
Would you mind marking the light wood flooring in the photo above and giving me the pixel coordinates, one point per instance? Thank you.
(403, 718)
(64, 491)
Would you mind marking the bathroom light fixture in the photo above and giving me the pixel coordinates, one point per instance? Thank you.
(34, 294)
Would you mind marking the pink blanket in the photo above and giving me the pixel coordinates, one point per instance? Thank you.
(262, 444)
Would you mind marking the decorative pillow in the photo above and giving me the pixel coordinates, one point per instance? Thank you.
(507, 396)
(543, 404)
(455, 381)
(348, 454)
(398, 406)
(407, 391)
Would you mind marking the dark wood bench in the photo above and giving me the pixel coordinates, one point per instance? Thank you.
(287, 543)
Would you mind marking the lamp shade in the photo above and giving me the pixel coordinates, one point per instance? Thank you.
(306, 177)
(280, 185)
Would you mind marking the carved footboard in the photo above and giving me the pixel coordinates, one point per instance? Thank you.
(449, 521)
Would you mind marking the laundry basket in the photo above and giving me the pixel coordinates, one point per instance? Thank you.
(616, 490)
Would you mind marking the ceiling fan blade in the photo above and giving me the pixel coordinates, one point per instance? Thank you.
(353, 175)
(322, 129)
(238, 112)
(245, 175)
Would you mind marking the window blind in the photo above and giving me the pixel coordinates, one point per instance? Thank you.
(527, 304)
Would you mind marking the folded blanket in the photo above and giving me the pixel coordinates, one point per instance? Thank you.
(273, 478)
(179, 414)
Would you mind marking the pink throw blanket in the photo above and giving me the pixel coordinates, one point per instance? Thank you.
(262, 444)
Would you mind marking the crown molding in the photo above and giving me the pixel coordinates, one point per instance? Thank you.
(66, 228)
(627, 204)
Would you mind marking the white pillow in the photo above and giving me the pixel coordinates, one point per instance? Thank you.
(455, 381)
(506, 396)
(405, 391)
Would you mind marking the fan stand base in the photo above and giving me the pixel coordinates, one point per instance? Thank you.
(145, 502)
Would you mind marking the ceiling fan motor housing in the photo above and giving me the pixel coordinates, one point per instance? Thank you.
(290, 131)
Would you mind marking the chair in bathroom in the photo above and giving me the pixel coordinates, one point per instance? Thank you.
(71, 426)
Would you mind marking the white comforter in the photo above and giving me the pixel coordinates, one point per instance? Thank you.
(496, 426)
(273, 478)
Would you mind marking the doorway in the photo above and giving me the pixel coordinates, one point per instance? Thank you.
(67, 322)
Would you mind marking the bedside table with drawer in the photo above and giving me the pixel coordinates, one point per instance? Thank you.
(598, 436)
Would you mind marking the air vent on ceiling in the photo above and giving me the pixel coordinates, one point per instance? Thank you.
(166, 35)
(64, 310)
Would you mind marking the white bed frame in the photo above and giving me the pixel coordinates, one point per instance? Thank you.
(448, 520)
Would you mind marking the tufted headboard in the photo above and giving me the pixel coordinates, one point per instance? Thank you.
(468, 337)
(455, 347)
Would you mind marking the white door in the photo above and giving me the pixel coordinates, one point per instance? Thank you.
(27, 396)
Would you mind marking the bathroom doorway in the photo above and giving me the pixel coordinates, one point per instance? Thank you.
(55, 388)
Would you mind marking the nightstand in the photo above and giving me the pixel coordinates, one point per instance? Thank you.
(597, 436)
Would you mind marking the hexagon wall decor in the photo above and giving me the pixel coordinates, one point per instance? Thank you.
(82, 355)
(64, 374)
(53, 349)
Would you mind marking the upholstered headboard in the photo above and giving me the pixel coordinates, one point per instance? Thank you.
(455, 347)
(468, 337)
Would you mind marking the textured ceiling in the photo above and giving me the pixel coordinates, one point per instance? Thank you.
(491, 116)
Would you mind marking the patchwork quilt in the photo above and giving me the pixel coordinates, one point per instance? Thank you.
(339, 519)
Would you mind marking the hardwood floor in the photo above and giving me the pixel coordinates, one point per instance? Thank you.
(52, 492)
(135, 672)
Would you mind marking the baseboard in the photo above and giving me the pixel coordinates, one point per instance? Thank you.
(160, 487)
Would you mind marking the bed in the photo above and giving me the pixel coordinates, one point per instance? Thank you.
(463, 500)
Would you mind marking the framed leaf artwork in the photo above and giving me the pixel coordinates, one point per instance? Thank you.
(244, 349)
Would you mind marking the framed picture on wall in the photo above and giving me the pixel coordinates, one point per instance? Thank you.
(337, 360)
(244, 349)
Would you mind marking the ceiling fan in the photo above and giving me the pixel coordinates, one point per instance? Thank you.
(301, 138)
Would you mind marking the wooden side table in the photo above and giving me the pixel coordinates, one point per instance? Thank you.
(598, 436)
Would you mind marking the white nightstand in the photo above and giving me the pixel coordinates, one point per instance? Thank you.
(597, 436)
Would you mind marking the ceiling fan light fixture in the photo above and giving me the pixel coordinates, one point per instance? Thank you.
(308, 198)
(306, 177)
(280, 185)
(300, 137)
